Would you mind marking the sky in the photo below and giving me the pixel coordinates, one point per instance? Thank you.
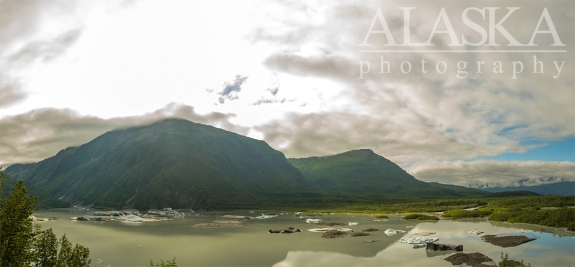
(473, 93)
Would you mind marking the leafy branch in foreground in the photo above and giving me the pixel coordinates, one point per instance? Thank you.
(506, 262)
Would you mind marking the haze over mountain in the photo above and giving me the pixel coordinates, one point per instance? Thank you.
(171, 163)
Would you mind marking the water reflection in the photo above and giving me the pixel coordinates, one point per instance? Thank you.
(124, 244)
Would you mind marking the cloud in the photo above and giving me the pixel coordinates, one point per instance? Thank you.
(22, 41)
(231, 90)
(417, 117)
(274, 90)
(403, 137)
(44, 50)
(10, 91)
(41, 133)
(484, 174)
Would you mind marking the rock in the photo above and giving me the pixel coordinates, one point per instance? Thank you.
(359, 234)
(443, 247)
(370, 230)
(331, 223)
(289, 230)
(506, 241)
(215, 225)
(471, 259)
(334, 234)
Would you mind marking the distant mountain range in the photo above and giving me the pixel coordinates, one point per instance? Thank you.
(181, 164)
(559, 189)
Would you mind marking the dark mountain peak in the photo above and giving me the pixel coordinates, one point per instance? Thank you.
(169, 163)
(350, 156)
(172, 122)
(364, 152)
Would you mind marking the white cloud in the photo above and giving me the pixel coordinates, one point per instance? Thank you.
(41, 133)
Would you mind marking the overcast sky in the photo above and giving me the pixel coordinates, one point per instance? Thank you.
(295, 74)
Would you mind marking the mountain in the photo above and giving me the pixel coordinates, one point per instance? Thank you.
(558, 189)
(364, 172)
(45, 200)
(460, 189)
(171, 163)
(17, 171)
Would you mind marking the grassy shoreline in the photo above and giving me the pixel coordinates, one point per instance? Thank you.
(531, 210)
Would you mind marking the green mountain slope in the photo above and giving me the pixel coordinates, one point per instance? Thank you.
(172, 163)
(364, 172)
(17, 171)
(357, 171)
(45, 200)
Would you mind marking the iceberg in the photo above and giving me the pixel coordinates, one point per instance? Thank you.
(390, 232)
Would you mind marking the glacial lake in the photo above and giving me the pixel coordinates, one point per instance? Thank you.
(135, 244)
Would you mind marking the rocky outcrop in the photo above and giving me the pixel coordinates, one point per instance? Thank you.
(507, 241)
(359, 234)
(289, 230)
(334, 234)
(471, 259)
(443, 247)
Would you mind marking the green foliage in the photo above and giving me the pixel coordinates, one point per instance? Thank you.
(506, 262)
(171, 263)
(460, 213)
(23, 245)
(381, 217)
(533, 202)
(420, 217)
(525, 210)
(46, 247)
(512, 194)
(16, 233)
(562, 217)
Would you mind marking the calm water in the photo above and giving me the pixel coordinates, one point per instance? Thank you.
(124, 244)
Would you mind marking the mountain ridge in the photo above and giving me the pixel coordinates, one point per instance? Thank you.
(172, 162)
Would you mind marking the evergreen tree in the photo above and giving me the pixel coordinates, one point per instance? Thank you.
(16, 233)
(23, 245)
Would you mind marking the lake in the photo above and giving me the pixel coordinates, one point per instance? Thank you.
(135, 244)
